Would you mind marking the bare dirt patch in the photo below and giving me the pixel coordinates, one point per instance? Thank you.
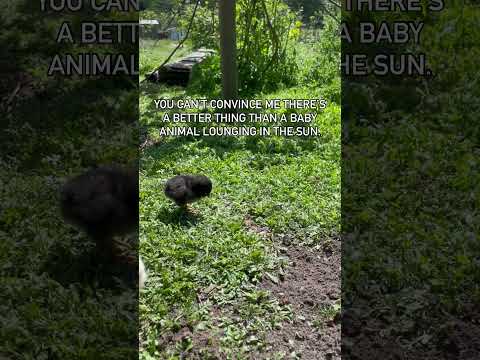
(383, 331)
(311, 286)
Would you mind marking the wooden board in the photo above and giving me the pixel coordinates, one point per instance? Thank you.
(178, 73)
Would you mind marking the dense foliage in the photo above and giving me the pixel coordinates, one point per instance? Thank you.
(410, 196)
(267, 32)
(55, 303)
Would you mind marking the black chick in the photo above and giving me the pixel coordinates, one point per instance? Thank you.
(103, 202)
(184, 189)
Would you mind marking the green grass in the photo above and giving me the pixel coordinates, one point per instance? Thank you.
(410, 195)
(54, 302)
(290, 185)
(327, 313)
(411, 182)
(153, 53)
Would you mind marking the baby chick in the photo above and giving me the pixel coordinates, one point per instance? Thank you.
(103, 202)
(184, 189)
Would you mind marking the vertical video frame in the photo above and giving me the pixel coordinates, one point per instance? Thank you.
(240, 179)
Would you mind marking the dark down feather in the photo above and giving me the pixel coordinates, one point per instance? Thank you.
(184, 189)
(103, 202)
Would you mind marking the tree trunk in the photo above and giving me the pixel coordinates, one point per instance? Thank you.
(228, 48)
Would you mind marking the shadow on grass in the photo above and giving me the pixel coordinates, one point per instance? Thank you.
(86, 268)
(180, 216)
(223, 146)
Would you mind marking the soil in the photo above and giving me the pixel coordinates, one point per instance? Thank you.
(435, 335)
(311, 283)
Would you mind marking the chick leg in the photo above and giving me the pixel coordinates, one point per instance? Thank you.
(190, 210)
(124, 252)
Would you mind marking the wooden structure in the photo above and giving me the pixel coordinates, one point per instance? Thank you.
(149, 28)
(179, 72)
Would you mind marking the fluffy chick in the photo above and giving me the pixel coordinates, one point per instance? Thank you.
(103, 202)
(184, 189)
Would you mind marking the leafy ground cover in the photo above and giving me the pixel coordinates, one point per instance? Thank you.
(410, 206)
(55, 302)
(216, 275)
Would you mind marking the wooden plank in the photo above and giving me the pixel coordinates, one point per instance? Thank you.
(178, 73)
